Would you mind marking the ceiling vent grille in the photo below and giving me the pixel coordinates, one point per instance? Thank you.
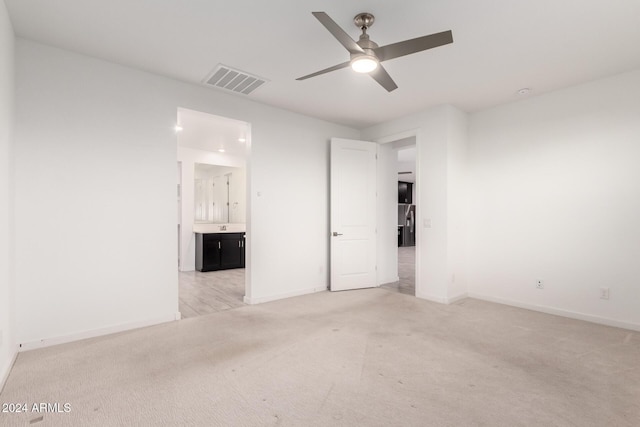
(232, 80)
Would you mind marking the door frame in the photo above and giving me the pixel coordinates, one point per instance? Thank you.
(415, 132)
(248, 282)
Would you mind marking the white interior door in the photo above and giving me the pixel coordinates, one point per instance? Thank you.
(353, 214)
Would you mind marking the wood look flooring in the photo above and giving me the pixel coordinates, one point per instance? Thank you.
(210, 292)
(406, 272)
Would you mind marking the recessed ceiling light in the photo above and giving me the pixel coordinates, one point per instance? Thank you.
(524, 91)
(221, 150)
(178, 128)
(241, 139)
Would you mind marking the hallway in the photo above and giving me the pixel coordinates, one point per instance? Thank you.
(406, 272)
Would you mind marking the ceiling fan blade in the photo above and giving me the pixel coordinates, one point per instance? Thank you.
(326, 70)
(338, 32)
(407, 47)
(381, 76)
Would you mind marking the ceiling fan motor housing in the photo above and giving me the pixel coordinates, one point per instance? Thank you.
(367, 46)
(366, 43)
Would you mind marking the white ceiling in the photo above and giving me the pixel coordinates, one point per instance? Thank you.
(212, 133)
(499, 47)
(407, 155)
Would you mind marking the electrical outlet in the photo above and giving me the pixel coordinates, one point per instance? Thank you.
(604, 293)
(540, 284)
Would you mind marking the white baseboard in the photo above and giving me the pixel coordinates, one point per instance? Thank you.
(6, 370)
(260, 300)
(457, 298)
(441, 300)
(47, 342)
(392, 280)
(432, 298)
(558, 312)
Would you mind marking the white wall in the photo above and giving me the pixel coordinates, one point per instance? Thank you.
(440, 140)
(555, 195)
(96, 196)
(7, 288)
(289, 204)
(457, 203)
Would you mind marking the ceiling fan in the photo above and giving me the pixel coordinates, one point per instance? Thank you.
(366, 55)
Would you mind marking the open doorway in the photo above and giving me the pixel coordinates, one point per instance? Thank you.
(212, 155)
(405, 156)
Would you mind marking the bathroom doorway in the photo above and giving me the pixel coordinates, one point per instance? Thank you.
(212, 153)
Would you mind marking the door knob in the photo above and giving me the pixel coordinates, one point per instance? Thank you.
(336, 234)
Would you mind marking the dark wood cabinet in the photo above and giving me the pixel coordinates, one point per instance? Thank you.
(405, 192)
(219, 251)
(208, 251)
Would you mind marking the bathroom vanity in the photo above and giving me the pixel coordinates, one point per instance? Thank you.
(219, 247)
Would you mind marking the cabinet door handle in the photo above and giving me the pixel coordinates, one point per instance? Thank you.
(219, 245)
(239, 244)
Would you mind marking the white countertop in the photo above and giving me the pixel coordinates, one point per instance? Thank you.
(216, 228)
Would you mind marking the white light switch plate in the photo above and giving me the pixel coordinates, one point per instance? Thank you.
(427, 223)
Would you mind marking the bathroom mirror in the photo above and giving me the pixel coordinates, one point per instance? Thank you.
(219, 194)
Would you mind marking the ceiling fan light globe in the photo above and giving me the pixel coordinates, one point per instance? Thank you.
(364, 64)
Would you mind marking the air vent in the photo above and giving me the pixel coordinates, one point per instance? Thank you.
(232, 80)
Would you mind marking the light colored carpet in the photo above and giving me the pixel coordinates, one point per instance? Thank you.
(369, 357)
